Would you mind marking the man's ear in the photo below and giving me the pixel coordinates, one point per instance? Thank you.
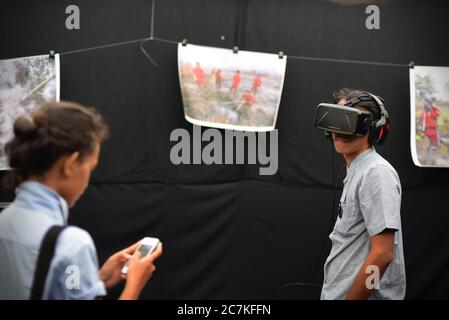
(69, 164)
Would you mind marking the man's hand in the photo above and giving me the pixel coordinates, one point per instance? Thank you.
(110, 272)
(380, 255)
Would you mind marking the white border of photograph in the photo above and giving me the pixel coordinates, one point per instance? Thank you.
(413, 118)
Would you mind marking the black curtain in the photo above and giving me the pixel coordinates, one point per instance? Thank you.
(228, 232)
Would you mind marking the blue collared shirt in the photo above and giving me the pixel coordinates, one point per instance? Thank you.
(73, 272)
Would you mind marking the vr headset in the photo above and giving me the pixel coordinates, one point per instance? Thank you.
(348, 120)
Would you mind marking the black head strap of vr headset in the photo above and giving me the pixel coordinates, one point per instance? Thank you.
(379, 128)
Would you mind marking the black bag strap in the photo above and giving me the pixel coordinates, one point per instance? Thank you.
(46, 253)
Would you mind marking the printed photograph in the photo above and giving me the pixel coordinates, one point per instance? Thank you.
(223, 89)
(25, 83)
(430, 116)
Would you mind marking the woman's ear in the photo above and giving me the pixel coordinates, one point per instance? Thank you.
(70, 163)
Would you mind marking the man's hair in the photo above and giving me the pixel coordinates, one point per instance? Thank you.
(348, 94)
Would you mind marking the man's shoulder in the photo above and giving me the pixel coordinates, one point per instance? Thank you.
(376, 160)
(377, 166)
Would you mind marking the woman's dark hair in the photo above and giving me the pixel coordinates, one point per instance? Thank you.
(53, 130)
(348, 94)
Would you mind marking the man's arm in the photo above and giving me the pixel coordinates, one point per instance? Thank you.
(380, 255)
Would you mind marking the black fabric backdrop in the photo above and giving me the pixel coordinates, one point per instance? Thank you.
(228, 232)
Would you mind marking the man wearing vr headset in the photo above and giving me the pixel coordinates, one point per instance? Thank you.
(366, 260)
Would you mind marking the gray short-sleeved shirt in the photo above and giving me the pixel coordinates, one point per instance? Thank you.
(370, 203)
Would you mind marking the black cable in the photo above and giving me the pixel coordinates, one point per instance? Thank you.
(239, 38)
(334, 213)
(295, 284)
(240, 30)
(152, 19)
(372, 63)
(104, 46)
(330, 228)
(146, 54)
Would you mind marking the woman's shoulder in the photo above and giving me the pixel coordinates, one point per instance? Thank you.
(73, 240)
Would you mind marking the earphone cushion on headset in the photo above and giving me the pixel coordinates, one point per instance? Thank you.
(373, 133)
(378, 134)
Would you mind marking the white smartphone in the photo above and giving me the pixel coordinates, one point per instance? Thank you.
(146, 247)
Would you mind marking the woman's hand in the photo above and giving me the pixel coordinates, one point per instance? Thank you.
(110, 272)
(140, 271)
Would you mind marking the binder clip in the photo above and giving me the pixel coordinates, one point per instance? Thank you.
(52, 54)
(411, 65)
(184, 42)
(281, 54)
(235, 49)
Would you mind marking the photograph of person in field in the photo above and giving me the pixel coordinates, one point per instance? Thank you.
(223, 89)
(430, 116)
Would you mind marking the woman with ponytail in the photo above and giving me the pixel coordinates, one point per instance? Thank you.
(52, 153)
